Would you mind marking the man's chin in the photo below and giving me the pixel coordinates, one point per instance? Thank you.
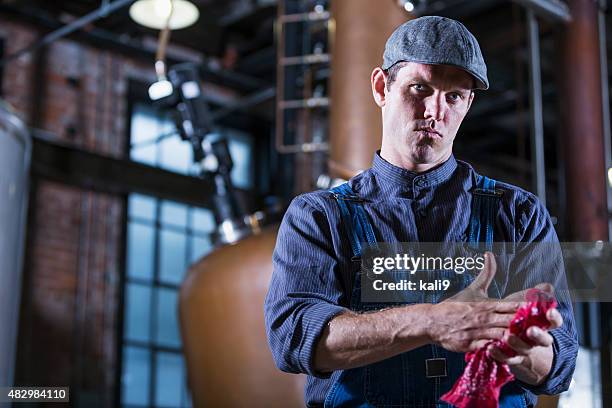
(423, 155)
(427, 156)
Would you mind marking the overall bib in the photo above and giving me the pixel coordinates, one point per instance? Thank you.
(417, 378)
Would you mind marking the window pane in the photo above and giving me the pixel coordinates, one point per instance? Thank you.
(175, 155)
(144, 125)
(240, 149)
(167, 319)
(174, 213)
(141, 206)
(169, 372)
(200, 246)
(136, 376)
(173, 256)
(140, 242)
(203, 220)
(138, 309)
(147, 154)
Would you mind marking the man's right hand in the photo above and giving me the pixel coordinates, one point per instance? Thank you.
(470, 319)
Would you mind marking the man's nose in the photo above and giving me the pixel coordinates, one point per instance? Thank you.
(434, 107)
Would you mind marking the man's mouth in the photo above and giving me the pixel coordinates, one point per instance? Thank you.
(430, 132)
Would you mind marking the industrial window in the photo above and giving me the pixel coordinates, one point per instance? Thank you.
(155, 141)
(163, 238)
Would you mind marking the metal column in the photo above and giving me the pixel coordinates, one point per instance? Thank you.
(605, 312)
(584, 146)
(605, 97)
(535, 97)
(583, 132)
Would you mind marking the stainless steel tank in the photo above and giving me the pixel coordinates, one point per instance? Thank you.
(15, 149)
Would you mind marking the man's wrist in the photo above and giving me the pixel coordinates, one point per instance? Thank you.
(417, 322)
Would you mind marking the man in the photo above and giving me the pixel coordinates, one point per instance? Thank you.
(408, 356)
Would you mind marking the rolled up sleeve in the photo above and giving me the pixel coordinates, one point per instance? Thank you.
(304, 292)
(544, 263)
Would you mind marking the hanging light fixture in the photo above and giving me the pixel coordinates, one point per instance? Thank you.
(157, 14)
(163, 15)
(162, 88)
(409, 5)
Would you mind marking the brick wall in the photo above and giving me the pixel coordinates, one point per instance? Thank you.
(71, 287)
(81, 97)
(69, 313)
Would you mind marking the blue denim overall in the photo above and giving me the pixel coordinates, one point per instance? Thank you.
(415, 379)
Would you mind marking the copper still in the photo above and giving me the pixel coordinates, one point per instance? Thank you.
(221, 314)
(221, 301)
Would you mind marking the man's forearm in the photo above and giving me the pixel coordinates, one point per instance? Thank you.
(353, 340)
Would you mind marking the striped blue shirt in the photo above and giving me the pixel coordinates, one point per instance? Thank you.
(313, 275)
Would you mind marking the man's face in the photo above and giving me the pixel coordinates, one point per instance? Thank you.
(422, 111)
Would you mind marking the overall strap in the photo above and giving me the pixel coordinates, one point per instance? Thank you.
(485, 202)
(354, 218)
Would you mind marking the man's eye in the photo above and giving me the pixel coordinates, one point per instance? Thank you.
(455, 97)
(419, 87)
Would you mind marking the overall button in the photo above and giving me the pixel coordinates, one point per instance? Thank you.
(435, 367)
(421, 183)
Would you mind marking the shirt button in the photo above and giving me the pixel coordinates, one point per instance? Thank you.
(421, 183)
(422, 213)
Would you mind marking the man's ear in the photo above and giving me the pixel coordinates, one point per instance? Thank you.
(470, 100)
(379, 86)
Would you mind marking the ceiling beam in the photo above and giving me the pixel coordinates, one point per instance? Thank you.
(551, 9)
(64, 30)
(71, 165)
(460, 9)
(135, 48)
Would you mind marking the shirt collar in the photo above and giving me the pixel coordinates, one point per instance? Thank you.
(410, 179)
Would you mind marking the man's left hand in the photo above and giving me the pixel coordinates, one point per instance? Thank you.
(532, 363)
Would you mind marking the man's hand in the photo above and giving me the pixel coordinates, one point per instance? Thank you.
(469, 319)
(532, 363)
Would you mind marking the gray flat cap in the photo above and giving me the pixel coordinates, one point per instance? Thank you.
(439, 41)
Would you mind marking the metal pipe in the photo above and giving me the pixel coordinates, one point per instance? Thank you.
(551, 9)
(140, 49)
(582, 127)
(244, 103)
(304, 17)
(164, 39)
(100, 12)
(605, 97)
(535, 97)
(603, 331)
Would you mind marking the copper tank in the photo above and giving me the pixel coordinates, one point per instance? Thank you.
(222, 324)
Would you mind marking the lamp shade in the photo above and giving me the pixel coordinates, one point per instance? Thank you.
(154, 13)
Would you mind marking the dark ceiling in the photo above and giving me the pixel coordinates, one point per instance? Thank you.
(239, 33)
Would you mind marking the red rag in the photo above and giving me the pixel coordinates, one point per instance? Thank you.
(483, 377)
